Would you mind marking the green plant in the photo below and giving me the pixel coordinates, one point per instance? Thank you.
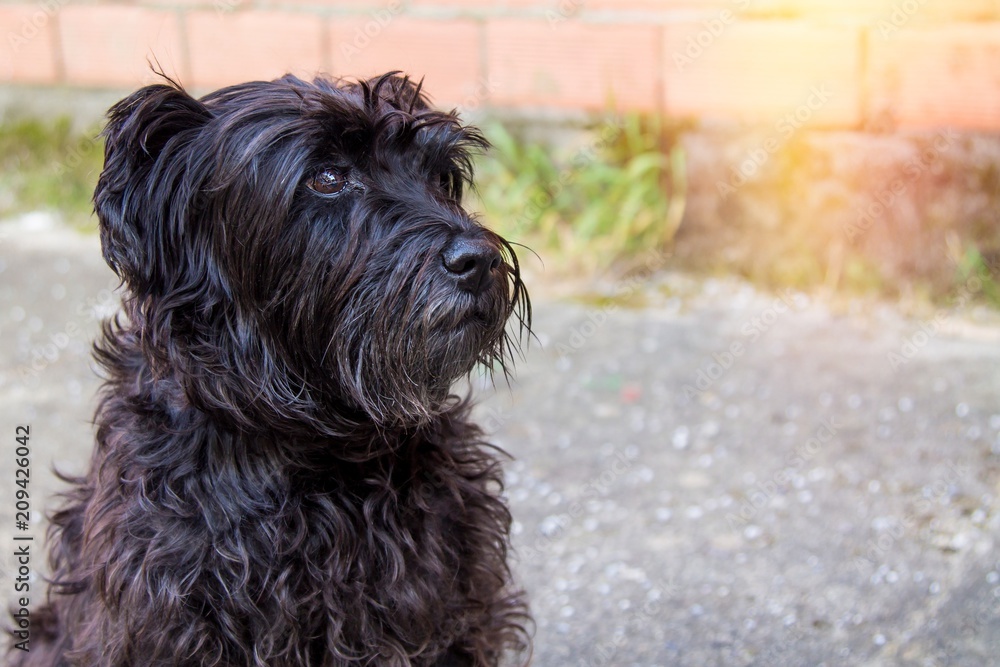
(620, 195)
(48, 165)
(977, 276)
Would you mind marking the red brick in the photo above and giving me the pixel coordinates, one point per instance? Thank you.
(874, 10)
(962, 9)
(762, 71)
(445, 53)
(227, 48)
(851, 10)
(653, 5)
(114, 45)
(219, 5)
(28, 51)
(572, 7)
(855, 10)
(485, 5)
(567, 8)
(336, 6)
(934, 77)
(861, 10)
(573, 65)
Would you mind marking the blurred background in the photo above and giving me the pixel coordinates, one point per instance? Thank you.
(760, 420)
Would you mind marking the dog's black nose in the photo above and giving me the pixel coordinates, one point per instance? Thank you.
(471, 263)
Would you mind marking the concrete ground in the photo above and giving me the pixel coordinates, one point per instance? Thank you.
(721, 477)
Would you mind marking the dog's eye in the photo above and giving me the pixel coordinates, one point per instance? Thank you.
(328, 182)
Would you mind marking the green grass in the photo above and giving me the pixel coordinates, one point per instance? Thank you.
(46, 165)
(976, 279)
(619, 195)
(614, 202)
(606, 201)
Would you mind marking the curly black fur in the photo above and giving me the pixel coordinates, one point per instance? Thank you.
(281, 475)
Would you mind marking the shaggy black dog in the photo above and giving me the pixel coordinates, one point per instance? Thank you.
(281, 475)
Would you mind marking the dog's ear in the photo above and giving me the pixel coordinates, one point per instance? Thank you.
(146, 138)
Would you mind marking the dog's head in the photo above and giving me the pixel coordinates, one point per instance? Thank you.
(308, 241)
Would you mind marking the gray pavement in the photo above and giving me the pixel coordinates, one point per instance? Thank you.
(721, 477)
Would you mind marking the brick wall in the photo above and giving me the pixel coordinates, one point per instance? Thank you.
(827, 63)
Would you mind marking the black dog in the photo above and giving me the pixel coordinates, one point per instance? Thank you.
(282, 476)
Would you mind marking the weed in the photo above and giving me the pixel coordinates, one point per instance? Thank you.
(973, 265)
(46, 165)
(615, 198)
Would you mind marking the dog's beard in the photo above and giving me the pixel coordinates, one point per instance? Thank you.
(373, 321)
(397, 358)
